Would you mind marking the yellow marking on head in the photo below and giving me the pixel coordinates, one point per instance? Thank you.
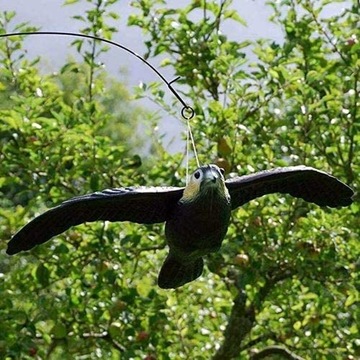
(191, 190)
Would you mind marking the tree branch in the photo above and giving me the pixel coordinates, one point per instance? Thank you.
(261, 338)
(275, 350)
(240, 323)
(242, 317)
(105, 336)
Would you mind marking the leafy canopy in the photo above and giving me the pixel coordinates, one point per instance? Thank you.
(287, 277)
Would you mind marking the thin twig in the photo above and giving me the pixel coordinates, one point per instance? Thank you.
(105, 336)
(275, 350)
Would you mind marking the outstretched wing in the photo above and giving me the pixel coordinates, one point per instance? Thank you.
(299, 181)
(141, 205)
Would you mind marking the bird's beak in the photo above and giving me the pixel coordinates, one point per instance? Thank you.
(211, 177)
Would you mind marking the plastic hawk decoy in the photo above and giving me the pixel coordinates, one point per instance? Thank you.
(197, 216)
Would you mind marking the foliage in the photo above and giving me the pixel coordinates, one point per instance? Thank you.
(286, 280)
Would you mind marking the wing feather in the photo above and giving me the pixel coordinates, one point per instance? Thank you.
(141, 205)
(303, 182)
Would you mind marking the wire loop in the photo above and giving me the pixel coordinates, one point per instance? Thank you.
(187, 112)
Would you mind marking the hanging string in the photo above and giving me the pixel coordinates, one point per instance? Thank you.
(187, 155)
(188, 113)
(193, 143)
(190, 140)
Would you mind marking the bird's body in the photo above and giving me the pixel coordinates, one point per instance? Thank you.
(197, 216)
(197, 227)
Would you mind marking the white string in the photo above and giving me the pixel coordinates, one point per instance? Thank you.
(187, 155)
(190, 137)
(193, 144)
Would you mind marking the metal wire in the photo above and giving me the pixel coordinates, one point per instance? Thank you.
(186, 108)
(187, 112)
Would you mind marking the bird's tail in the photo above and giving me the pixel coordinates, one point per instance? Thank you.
(174, 273)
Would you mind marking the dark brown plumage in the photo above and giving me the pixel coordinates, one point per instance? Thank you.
(197, 216)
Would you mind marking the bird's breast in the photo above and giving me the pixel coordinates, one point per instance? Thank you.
(199, 226)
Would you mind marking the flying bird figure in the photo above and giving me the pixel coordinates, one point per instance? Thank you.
(197, 216)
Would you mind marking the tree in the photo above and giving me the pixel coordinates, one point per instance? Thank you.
(285, 282)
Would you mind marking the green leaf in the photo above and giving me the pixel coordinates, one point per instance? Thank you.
(70, 2)
(351, 299)
(42, 275)
(234, 15)
(59, 331)
(115, 329)
(297, 325)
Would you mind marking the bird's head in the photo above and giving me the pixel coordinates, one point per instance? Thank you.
(205, 179)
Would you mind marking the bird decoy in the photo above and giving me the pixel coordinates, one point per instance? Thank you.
(197, 216)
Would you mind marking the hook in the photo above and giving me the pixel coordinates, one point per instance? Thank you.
(187, 112)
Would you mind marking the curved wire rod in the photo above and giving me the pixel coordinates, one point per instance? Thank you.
(187, 112)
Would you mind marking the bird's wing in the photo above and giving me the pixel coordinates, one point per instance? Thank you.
(141, 205)
(299, 181)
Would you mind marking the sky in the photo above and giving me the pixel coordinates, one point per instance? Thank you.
(52, 15)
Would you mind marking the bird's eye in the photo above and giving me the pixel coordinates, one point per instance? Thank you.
(222, 171)
(197, 175)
